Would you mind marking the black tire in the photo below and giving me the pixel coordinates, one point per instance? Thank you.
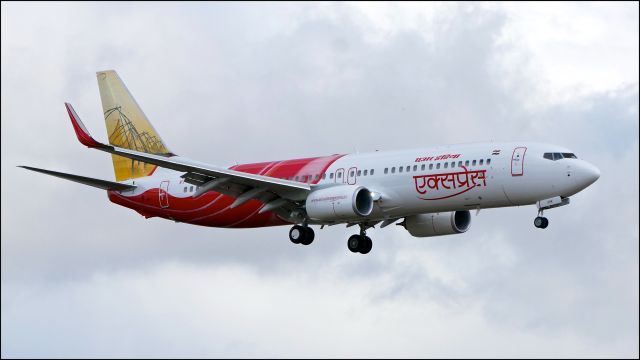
(297, 234)
(545, 223)
(367, 244)
(538, 222)
(354, 243)
(309, 235)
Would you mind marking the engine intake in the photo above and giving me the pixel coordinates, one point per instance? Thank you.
(436, 224)
(339, 203)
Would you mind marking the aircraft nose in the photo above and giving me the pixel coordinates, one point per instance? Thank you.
(587, 174)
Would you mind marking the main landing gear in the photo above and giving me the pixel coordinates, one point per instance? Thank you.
(360, 243)
(301, 235)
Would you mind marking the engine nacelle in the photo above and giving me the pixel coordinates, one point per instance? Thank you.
(435, 224)
(340, 203)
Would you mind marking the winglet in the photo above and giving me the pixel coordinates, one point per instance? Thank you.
(81, 130)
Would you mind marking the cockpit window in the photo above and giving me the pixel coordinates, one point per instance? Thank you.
(558, 156)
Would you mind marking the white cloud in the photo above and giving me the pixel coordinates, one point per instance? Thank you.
(182, 310)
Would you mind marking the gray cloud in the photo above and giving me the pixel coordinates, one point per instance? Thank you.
(233, 82)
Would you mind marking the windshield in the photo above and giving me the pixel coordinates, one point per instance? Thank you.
(558, 156)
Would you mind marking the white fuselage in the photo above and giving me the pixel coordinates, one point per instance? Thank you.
(443, 178)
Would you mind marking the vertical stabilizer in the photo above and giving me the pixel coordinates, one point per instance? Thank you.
(127, 127)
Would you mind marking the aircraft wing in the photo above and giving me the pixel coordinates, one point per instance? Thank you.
(243, 186)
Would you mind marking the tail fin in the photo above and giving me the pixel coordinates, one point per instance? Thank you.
(127, 127)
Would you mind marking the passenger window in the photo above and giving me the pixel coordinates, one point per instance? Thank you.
(331, 176)
(191, 189)
(371, 171)
(488, 161)
(446, 165)
(466, 163)
(359, 172)
(393, 170)
(365, 173)
(317, 176)
(422, 167)
(408, 168)
(473, 163)
(296, 178)
(430, 166)
(415, 167)
(453, 164)
(324, 176)
(339, 175)
(557, 156)
(438, 166)
(386, 170)
(481, 161)
(459, 163)
(185, 189)
(400, 168)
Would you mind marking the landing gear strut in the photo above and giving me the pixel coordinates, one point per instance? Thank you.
(540, 221)
(301, 235)
(360, 243)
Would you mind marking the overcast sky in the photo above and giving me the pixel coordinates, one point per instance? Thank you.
(230, 83)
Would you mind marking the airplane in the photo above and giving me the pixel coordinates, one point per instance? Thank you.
(432, 190)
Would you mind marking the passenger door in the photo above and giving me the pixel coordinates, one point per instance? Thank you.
(517, 161)
(163, 194)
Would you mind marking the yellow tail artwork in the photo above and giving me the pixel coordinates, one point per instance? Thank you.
(127, 127)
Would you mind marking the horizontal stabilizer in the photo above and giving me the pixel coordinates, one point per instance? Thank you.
(101, 184)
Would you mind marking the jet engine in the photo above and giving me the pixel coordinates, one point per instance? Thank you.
(423, 225)
(339, 203)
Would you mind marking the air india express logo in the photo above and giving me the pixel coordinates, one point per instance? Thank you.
(446, 185)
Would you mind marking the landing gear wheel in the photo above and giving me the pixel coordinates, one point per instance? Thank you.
(359, 244)
(367, 244)
(541, 222)
(301, 235)
(545, 223)
(308, 237)
(354, 243)
(297, 234)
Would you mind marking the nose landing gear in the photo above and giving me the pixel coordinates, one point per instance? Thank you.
(541, 222)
